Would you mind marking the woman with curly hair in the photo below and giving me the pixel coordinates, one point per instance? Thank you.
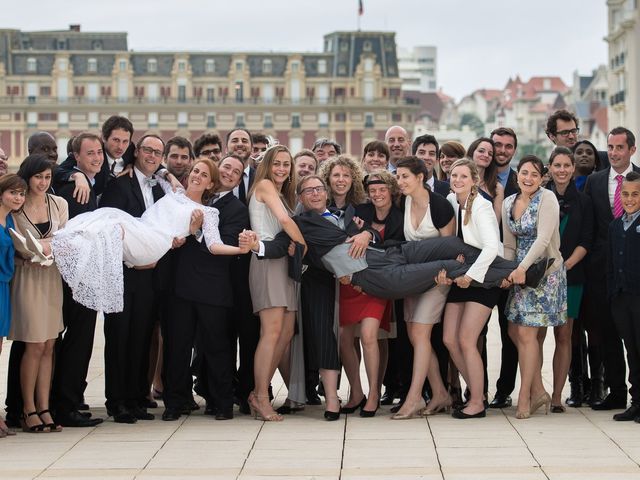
(344, 178)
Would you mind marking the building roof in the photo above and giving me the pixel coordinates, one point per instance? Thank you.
(601, 118)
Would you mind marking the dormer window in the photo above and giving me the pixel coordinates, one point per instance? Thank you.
(152, 65)
(267, 66)
(32, 65)
(92, 65)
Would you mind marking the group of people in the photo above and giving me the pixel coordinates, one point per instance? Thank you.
(226, 268)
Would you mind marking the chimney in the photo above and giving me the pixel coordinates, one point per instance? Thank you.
(74, 27)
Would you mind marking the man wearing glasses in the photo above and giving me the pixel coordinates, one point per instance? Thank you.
(128, 333)
(208, 146)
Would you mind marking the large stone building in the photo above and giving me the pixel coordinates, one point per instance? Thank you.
(624, 64)
(68, 81)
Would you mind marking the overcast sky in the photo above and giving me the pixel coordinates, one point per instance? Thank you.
(480, 43)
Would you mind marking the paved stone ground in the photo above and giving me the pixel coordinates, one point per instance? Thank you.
(580, 444)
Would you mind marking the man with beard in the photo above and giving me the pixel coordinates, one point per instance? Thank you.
(426, 148)
(208, 146)
(505, 143)
(260, 143)
(398, 141)
(178, 157)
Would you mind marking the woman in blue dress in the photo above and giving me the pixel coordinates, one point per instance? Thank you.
(531, 230)
(12, 194)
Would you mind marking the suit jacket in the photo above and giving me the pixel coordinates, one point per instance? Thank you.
(125, 193)
(481, 232)
(511, 186)
(76, 208)
(441, 187)
(623, 265)
(201, 276)
(252, 176)
(597, 188)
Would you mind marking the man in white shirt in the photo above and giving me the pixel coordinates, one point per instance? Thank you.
(399, 143)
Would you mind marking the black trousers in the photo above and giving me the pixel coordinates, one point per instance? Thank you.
(127, 336)
(205, 327)
(508, 354)
(625, 308)
(14, 391)
(73, 354)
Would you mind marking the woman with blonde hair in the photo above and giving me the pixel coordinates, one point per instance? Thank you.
(469, 308)
(344, 177)
(272, 200)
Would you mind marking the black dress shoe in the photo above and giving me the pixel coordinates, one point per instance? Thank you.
(362, 403)
(331, 416)
(460, 415)
(12, 420)
(142, 414)
(149, 404)
(629, 414)
(210, 409)
(388, 397)
(611, 402)
(83, 407)
(313, 398)
(396, 408)
(171, 414)
(121, 415)
(535, 272)
(76, 419)
(224, 415)
(243, 407)
(577, 394)
(501, 401)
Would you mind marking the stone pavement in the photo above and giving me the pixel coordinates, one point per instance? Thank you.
(580, 444)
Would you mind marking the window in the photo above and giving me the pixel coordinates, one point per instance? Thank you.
(32, 119)
(153, 119)
(123, 65)
(93, 119)
(323, 119)
(152, 92)
(210, 94)
(92, 92)
(182, 119)
(123, 90)
(92, 65)
(152, 65)
(295, 120)
(368, 65)
(239, 66)
(63, 89)
(344, 46)
(322, 66)
(268, 120)
(211, 120)
(96, 44)
(342, 69)
(63, 119)
(295, 144)
(323, 93)
(32, 64)
(366, 46)
(368, 91)
(295, 67)
(267, 66)
(209, 65)
(240, 120)
(45, 91)
(267, 93)
(239, 89)
(368, 120)
(182, 66)
(182, 93)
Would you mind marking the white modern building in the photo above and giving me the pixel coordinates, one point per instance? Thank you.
(418, 68)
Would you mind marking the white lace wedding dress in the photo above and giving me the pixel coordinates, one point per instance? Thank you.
(90, 250)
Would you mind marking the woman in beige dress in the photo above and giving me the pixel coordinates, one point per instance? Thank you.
(36, 292)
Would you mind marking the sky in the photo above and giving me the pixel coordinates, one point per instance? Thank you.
(480, 43)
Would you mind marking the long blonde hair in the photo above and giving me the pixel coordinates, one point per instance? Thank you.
(475, 176)
(288, 192)
(356, 194)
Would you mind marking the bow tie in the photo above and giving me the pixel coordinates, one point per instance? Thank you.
(151, 181)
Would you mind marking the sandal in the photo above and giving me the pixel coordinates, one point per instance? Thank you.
(39, 428)
(53, 427)
(263, 413)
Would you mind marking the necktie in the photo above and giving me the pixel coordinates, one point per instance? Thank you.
(214, 198)
(151, 181)
(617, 201)
(242, 192)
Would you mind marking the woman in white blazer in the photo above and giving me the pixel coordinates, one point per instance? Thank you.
(468, 308)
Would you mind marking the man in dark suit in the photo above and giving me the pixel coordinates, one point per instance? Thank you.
(118, 152)
(128, 333)
(604, 189)
(505, 144)
(426, 148)
(75, 345)
(202, 299)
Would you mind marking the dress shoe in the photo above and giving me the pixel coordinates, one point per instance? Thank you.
(369, 413)
(536, 272)
(76, 419)
(171, 414)
(122, 415)
(352, 409)
(142, 414)
(312, 397)
(611, 402)
(243, 407)
(149, 404)
(290, 407)
(12, 420)
(83, 407)
(577, 394)
(388, 397)
(331, 416)
(210, 409)
(629, 414)
(224, 415)
(501, 401)
(460, 415)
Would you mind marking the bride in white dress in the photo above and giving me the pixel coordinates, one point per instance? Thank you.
(90, 250)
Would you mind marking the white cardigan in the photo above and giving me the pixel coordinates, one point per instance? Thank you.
(481, 232)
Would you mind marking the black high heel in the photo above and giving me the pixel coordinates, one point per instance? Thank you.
(330, 416)
(369, 413)
(53, 427)
(360, 405)
(40, 428)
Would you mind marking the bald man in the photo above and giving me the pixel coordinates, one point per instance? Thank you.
(43, 142)
(399, 142)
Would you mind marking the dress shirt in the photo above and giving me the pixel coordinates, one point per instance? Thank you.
(245, 180)
(627, 220)
(613, 183)
(92, 181)
(116, 165)
(431, 183)
(503, 177)
(147, 192)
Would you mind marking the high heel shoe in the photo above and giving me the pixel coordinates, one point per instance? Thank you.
(414, 413)
(330, 416)
(544, 399)
(522, 414)
(360, 405)
(438, 408)
(39, 428)
(53, 427)
(369, 413)
(262, 413)
(290, 407)
(456, 397)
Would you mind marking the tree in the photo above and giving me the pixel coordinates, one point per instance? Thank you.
(474, 123)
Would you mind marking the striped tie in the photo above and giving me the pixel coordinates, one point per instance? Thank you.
(617, 201)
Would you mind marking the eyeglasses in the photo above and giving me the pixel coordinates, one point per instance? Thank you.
(149, 151)
(566, 133)
(310, 190)
(208, 153)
